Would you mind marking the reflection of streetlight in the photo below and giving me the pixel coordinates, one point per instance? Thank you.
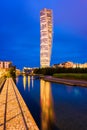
(32, 81)
(24, 82)
(47, 112)
(29, 82)
(17, 79)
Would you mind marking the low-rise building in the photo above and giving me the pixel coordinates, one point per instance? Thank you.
(5, 64)
(70, 65)
(64, 65)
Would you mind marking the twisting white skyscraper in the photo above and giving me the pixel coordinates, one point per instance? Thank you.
(45, 37)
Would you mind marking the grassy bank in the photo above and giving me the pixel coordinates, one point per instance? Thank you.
(80, 76)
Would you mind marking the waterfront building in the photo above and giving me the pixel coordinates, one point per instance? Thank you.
(18, 72)
(27, 70)
(1, 64)
(5, 64)
(64, 65)
(77, 65)
(85, 65)
(46, 26)
(69, 64)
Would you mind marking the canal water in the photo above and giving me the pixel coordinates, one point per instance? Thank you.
(54, 106)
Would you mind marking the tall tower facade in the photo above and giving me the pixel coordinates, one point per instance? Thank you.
(46, 27)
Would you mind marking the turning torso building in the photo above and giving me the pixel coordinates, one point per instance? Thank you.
(45, 37)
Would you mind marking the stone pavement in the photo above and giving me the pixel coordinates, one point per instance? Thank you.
(14, 114)
(71, 82)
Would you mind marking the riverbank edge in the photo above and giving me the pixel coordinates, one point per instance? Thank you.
(71, 82)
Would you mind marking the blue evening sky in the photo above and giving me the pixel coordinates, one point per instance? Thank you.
(20, 31)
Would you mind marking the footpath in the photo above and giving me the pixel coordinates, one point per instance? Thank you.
(14, 114)
(71, 82)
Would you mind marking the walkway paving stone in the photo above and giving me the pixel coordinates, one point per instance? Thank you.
(14, 114)
(71, 82)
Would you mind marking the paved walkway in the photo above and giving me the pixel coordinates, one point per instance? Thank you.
(14, 114)
(66, 81)
(2, 81)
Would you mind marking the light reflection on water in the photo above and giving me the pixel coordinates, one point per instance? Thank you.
(47, 111)
(29, 83)
(17, 78)
(24, 81)
(32, 79)
(55, 106)
(28, 80)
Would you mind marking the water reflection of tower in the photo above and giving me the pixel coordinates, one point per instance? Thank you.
(29, 82)
(24, 81)
(47, 112)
